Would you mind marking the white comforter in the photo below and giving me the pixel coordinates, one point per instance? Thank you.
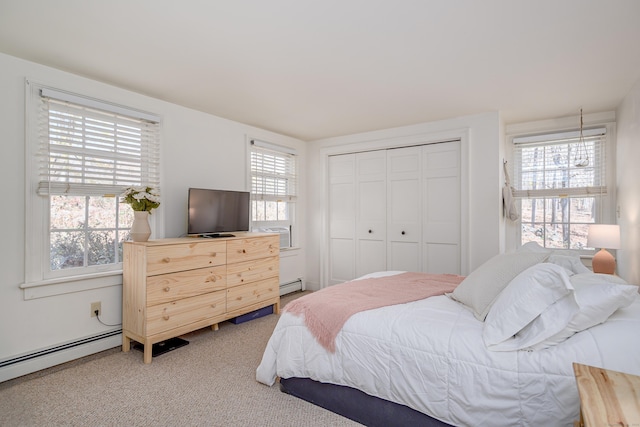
(429, 355)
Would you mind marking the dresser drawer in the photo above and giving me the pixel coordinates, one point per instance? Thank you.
(252, 271)
(240, 250)
(185, 256)
(168, 287)
(252, 293)
(164, 317)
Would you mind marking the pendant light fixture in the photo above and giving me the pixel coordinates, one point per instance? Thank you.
(581, 158)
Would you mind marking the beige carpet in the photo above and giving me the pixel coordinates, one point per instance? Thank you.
(209, 382)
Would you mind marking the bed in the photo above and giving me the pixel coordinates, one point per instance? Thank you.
(497, 350)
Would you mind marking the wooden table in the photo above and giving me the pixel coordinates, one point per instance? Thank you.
(607, 398)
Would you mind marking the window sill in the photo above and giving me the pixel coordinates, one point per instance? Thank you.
(67, 285)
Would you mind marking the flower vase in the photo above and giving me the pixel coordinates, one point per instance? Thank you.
(140, 229)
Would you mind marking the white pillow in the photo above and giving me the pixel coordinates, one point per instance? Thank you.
(571, 263)
(533, 247)
(591, 278)
(480, 289)
(532, 293)
(564, 258)
(550, 323)
(599, 296)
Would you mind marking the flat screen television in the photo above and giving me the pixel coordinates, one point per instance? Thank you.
(213, 213)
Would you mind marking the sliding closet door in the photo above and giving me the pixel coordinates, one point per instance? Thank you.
(371, 202)
(342, 214)
(404, 222)
(441, 208)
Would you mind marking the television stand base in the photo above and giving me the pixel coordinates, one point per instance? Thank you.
(216, 235)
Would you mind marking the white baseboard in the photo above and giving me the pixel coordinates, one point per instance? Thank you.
(287, 288)
(46, 358)
(29, 363)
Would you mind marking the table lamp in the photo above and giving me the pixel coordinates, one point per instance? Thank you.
(603, 236)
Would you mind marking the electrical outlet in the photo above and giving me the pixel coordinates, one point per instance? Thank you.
(96, 306)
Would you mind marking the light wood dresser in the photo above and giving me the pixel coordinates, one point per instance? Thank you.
(607, 398)
(174, 286)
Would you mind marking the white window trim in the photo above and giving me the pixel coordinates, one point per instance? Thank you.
(291, 223)
(604, 119)
(37, 220)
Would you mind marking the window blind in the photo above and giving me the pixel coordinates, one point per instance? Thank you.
(92, 148)
(273, 172)
(560, 164)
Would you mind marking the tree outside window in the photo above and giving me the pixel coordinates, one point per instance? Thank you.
(560, 183)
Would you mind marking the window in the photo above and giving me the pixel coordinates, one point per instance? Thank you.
(560, 180)
(273, 185)
(84, 153)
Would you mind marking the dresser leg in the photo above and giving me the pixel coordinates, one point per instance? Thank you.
(148, 352)
(214, 327)
(126, 343)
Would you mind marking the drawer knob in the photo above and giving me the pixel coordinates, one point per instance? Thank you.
(213, 254)
(167, 289)
(213, 305)
(167, 259)
(211, 279)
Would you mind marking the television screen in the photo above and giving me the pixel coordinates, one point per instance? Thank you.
(217, 211)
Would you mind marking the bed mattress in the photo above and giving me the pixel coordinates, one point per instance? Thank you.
(429, 355)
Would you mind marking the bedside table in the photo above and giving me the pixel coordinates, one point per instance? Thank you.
(607, 398)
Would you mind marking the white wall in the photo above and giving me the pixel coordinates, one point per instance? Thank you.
(485, 146)
(628, 181)
(199, 150)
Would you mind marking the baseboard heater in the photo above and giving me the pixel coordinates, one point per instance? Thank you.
(287, 288)
(58, 348)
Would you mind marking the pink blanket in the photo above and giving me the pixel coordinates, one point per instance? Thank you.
(327, 310)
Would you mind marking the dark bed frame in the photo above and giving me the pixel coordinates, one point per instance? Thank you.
(356, 405)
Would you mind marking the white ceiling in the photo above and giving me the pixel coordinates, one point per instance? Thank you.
(319, 68)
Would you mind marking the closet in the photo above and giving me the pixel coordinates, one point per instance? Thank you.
(394, 209)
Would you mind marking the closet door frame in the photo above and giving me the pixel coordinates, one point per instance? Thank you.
(461, 135)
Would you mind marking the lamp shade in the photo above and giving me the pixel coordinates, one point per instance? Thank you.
(603, 236)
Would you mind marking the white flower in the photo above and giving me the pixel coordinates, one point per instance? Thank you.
(141, 198)
(153, 197)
